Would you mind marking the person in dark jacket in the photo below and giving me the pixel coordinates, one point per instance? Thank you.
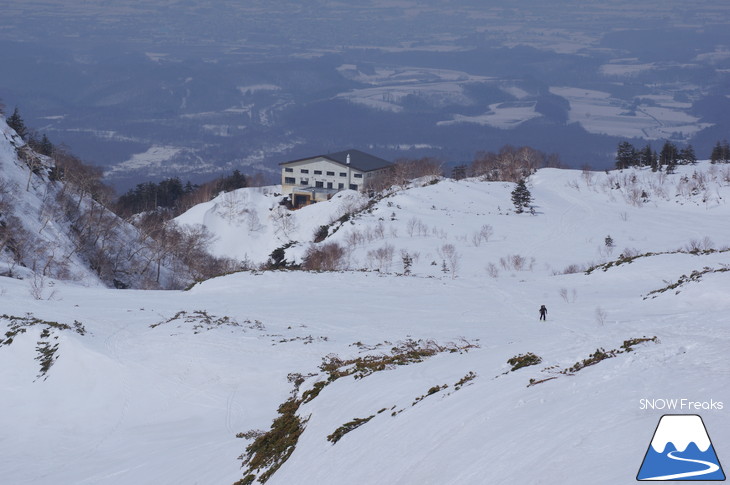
(543, 313)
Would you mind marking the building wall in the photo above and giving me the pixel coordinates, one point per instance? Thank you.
(326, 172)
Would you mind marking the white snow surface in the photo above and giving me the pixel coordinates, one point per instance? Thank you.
(146, 398)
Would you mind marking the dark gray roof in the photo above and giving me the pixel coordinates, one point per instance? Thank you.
(358, 160)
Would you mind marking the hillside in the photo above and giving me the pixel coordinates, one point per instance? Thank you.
(55, 224)
(572, 209)
(129, 386)
(36, 235)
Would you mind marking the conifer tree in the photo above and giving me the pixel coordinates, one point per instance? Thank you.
(687, 155)
(716, 155)
(45, 147)
(648, 158)
(626, 155)
(668, 155)
(16, 122)
(720, 153)
(521, 197)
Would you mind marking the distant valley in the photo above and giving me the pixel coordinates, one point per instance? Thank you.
(180, 89)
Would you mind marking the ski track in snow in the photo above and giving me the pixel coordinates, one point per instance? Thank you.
(112, 344)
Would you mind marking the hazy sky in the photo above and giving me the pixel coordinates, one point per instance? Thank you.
(311, 25)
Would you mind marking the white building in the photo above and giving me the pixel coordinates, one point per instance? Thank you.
(314, 179)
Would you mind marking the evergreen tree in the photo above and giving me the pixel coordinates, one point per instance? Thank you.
(190, 188)
(721, 152)
(647, 157)
(687, 155)
(45, 147)
(669, 154)
(716, 155)
(16, 123)
(521, 197)
(626, 155)
(232, 182)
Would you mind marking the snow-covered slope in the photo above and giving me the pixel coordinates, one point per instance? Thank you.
(639, 210)
(52, 227)
(152, 387)
(34, 236)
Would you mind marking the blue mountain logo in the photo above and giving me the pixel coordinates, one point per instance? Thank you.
(681, 450)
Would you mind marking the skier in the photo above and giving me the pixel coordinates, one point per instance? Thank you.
(543, 312)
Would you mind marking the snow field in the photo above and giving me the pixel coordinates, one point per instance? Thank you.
(145, 397)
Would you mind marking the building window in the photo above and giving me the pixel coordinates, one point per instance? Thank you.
(331, 174)
(318, 172)
(343, 174)
(290, 180)
(319, 184)
(288, 169)
(353, 186)
(357, 175)
(329, 185)
(340, 186)
(304, 181)
(304, 170)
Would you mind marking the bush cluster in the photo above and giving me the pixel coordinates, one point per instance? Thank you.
(526, 360)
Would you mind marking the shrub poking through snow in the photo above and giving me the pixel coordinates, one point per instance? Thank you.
(45, 348)
(696, 275)
(526, 360)
(470, 376)
(202, 321)
(599, 355)
(310, 394)
(347, 427)
(271, 449)
(407, 352)
(593, 359)
(630, 343)
(431, 391)
(631, 255)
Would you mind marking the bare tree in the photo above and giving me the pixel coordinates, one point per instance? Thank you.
(492, 270)
(325, 257)
(568, 297)
(510, 164)
(405, 170)
(382, 258)
(283, 221)
(448, 253)
(253, 221)
(482, 235)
